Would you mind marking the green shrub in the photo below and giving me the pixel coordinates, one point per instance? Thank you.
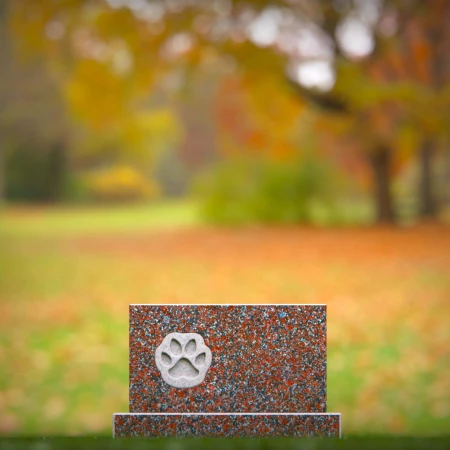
(35, 172)
(247, 190)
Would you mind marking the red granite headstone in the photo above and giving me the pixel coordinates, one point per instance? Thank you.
(227, 370)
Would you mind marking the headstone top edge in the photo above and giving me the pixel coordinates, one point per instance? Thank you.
(228, 304)
(237, 413)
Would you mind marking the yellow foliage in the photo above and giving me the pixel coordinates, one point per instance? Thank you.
(96, 95)
(145, 133)
(119, 183)
(137, 138)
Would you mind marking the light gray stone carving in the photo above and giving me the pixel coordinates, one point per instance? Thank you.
(183, 359)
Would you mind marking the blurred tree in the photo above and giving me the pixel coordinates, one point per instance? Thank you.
(399, 92)
(424, 46)
(395, 93)
(383, 63)
(3, 51)
(199, 146)
(246, 122)
(107, 79)
(33, 126)
(410, 72)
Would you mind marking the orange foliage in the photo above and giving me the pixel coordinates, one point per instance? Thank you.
(258, 116)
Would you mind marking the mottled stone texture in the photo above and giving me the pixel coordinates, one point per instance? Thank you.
(264, 369)
(265, 358)
(227, 425)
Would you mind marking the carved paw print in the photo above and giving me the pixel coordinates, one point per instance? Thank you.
(183, 359)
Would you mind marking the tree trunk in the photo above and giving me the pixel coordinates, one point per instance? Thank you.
(380, 162)
(57, 171)
(428, 207)
(2, 174)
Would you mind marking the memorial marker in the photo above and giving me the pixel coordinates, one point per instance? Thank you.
(227, 371)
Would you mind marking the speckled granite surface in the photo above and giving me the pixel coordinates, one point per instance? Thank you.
(265, 358)
(227, 371)
(227, 425)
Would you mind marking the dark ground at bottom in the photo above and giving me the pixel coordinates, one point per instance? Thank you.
(345, 443)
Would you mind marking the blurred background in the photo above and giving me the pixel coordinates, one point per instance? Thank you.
(224, 151)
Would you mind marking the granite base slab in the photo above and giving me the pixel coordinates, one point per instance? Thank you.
(227, 425)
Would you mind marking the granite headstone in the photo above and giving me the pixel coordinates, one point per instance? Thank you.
(227, 371)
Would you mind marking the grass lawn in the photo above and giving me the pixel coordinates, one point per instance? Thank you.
(67, 277)
(48, 221)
